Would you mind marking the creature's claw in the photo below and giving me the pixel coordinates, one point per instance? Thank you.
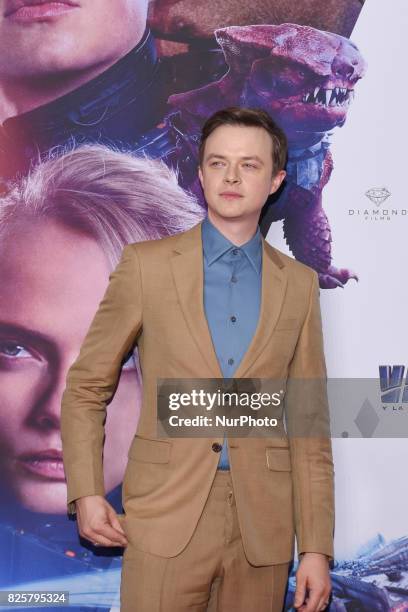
(334, 277)
(328, 282)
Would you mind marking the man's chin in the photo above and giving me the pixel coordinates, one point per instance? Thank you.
(230, 210)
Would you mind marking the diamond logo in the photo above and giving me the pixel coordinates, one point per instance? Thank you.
(367, 420)
(378, 195)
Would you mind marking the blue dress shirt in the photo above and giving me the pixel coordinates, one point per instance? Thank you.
(232, 298)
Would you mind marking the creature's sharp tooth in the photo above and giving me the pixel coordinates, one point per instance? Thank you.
(328, 95)
(316, 91)
(333, 99)
(337, 90)
(344, 90)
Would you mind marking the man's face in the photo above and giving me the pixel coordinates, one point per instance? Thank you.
(236, 173)
(52, 280)
(44, 38)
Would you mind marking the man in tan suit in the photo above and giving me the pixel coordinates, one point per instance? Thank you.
(199, 533)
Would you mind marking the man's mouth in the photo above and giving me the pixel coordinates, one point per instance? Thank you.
(337, 96)
(230, 195)
(37, 10)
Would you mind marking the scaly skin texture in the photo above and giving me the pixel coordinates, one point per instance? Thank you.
(305, 79)
(193, 22)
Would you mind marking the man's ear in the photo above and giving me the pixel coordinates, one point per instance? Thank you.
(277, 181)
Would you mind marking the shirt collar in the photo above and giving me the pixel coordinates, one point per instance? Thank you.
(215, 245)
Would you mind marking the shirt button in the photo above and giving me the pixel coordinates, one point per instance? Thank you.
(235, 251)
(234, 279)
(233, 319)
(217, 448)
(230, 361)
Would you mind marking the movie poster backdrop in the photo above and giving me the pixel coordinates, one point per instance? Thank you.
(119, 90)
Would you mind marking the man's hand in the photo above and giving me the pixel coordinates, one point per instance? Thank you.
(313, 583)
(98, 521)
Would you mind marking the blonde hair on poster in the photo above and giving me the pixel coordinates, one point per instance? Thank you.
(113, 196)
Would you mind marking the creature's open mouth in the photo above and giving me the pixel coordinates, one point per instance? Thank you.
(339, 96)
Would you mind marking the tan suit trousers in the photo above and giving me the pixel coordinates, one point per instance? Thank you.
(211, 574)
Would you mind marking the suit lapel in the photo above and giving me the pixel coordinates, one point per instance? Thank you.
(274, 281)
(188, 274)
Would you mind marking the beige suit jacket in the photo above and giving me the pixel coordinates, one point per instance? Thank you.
(283, 485)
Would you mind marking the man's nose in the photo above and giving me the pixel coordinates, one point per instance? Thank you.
(232, 176)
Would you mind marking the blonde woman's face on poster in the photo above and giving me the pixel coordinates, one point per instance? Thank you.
(47, 38)
(52, 280)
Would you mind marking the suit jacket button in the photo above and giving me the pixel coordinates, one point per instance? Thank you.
(217, 448)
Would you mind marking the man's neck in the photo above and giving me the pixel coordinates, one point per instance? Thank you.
(238, 231)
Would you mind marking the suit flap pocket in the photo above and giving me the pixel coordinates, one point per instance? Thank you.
(278, 459)
(150, 451)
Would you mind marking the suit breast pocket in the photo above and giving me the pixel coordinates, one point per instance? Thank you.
(285, 335)
(288, 323)
(278, 459)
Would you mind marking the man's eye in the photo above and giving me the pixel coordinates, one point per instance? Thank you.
(248, 165)
(13, 350)
(216, 163)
